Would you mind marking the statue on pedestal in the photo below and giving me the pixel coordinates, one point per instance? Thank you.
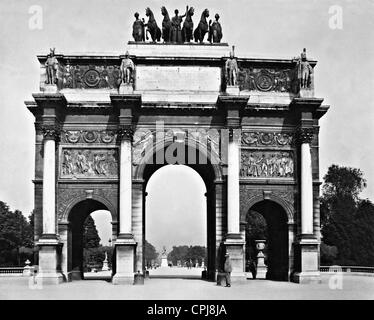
(127, 69)
(304, 72)
(187, 30)
(215, 30)
(51, 68)
(231, 70)
(138, 28)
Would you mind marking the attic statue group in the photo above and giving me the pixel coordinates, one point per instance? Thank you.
(172, 29)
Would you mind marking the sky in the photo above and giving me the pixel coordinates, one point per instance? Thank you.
(272, 28)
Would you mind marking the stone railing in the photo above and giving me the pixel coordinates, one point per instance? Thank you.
(27, 270)
(358, 270)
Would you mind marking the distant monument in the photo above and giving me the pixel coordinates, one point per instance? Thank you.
(164, 258)
(105, 263)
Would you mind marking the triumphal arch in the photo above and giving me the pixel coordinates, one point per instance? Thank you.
(105, 123)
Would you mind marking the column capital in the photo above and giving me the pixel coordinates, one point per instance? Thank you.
(304, 135)
(125, 132)
(51, 131)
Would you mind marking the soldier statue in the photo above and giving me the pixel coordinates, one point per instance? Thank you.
(51, 67)
(231, 70)
(138, 28)
(304, 71)
(127, 69)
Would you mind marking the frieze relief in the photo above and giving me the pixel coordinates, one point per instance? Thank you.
(266, 164)
(89, 163)
(254, 139)
(90, 77)
(261, 79)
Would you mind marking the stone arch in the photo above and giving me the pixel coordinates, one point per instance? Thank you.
(286, 204)
(73, 202)
(213, 158)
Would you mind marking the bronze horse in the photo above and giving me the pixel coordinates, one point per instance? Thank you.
(202, 28)
(152, 27)
(166, 25)
(187, 35)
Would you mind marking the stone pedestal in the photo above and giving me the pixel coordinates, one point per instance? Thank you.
(125, 88)
(308, 266)
(261, 269)
(232, 90)
(164, 262)
(306, 93)
(125, 252)
(105, 263)
(49, 261)
(50, 88)
(235, 248)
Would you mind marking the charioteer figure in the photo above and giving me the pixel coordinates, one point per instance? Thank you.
(138, 28)
(215, 30)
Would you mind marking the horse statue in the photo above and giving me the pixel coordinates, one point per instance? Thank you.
(166, 25)
(187, 29)
(202, 28)
(152, 27)
(215, 30)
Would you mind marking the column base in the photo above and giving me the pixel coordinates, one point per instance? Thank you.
(308, 260)
(306, 277)
(123, 278)
(234, 245)
(49, 261)
(125, 259)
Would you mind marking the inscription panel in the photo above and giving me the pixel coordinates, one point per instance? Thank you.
(182, 78)
(88, 163)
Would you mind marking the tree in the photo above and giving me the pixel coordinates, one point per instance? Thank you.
(91, 237)
(150, 253)
(16, 234)
(347, 222)
(185, 253)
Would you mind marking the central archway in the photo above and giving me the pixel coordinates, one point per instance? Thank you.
(210, 174)
(176, 215)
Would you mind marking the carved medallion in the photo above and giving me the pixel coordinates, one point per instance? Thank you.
(90, 136)
(91, 78)
(264, 82)
(107, 136)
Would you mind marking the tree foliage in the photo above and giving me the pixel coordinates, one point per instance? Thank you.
(16, 237)
(347, 221)
(187, 253)
(150, 253)
(91, 237)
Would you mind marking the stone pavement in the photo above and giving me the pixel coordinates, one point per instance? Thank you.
(354, 287)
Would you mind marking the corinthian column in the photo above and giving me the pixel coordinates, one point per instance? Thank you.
(51, 134)
(305, 138)
(125, 244)
(49, 270)
(233, 210)
(125, 186)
